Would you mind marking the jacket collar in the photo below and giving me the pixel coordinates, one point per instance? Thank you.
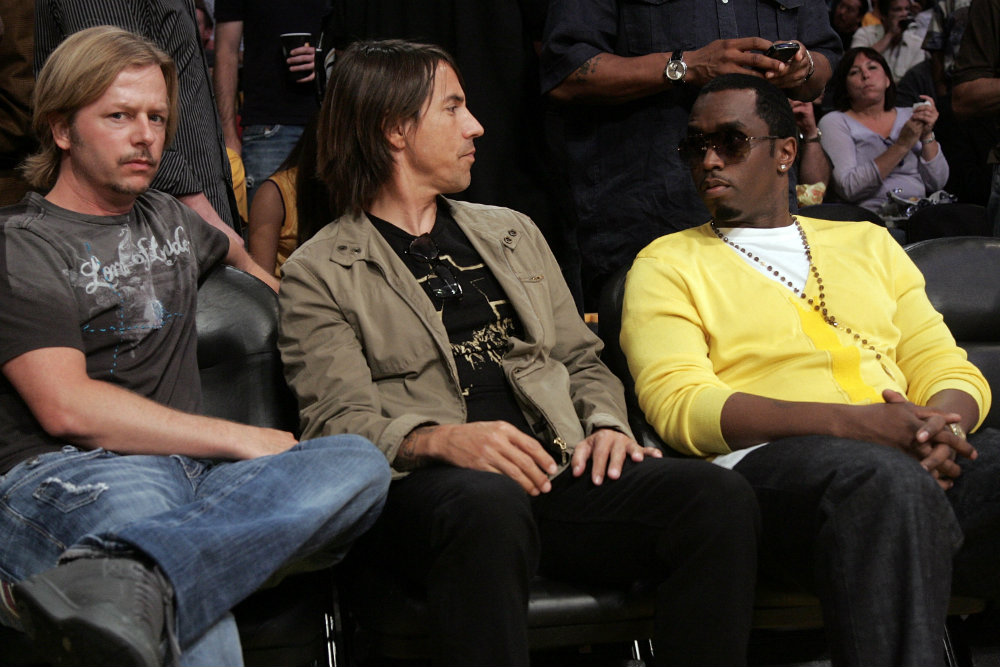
(356, 239)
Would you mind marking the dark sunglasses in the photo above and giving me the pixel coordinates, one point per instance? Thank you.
(730, 145)
(443, 284)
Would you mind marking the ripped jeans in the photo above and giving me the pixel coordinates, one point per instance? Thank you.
(218, 530)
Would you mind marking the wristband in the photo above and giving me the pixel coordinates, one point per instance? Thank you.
(929, 140)
(812, 67)
(811, 140)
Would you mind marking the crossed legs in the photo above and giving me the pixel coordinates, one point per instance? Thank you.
(216, 531)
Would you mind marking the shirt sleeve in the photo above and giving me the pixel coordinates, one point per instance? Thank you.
(37, 307)
(47, 34)
(175, 175)
(575, 31)
(927, 353)
(326, 366)
(816, 33)
(677, 388)
(210, 244)
(864, 36)
(933, 172)
(854, 177)
(228, 10)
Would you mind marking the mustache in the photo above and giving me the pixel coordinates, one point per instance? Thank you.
(714, 178)
(141, 154)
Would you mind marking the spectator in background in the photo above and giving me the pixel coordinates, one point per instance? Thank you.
(965, 141)
(627, 73)
(943, 38)
(876, 147)
(899, 37)
(16, 82)
(812, 163)
(977, 85)
(206, 29)
(273, 233)
(279, 96)
(196, 168)
(845, 17)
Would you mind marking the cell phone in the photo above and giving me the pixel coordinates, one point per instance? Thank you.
(921, 103)
(783, 51)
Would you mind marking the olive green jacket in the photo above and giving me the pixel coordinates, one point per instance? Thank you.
(366, 353)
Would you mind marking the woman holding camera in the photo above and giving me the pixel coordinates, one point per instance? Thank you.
(875, 147)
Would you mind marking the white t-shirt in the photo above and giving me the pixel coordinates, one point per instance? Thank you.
(781, 248)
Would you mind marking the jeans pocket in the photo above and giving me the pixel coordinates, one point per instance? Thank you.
(253, 133)
(66, 496)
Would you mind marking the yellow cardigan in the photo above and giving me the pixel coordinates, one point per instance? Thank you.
(699, 324)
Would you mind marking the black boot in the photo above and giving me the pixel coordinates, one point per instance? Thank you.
(97, 611)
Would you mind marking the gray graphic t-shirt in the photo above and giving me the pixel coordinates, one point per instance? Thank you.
(121, 289)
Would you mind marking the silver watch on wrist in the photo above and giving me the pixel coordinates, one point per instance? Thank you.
(676, 67)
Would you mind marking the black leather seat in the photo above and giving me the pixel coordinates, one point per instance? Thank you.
(242, 380)
(963, 284)
(850, 212)
(386, 618)
(841, 211)
(942, 220)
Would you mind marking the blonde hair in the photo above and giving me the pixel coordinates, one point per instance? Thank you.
(77, 73)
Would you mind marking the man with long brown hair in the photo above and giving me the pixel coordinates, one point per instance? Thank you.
(443, 331)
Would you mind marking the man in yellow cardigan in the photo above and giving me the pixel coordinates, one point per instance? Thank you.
(805, 355)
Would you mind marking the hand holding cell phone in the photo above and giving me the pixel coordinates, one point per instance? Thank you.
(783, 51)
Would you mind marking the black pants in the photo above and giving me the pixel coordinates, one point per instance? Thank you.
(474, 540)
(872, 534)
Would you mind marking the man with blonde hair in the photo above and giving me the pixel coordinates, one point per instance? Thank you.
(196, 169)
(129, 525)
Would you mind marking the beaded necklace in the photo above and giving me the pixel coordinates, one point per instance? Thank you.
(819, 303)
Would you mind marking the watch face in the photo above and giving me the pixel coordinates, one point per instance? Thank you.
(676, 69)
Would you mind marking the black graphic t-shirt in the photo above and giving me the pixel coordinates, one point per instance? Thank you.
(479, 323)
(121, 289)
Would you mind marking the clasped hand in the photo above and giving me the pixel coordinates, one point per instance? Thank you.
(922, 432)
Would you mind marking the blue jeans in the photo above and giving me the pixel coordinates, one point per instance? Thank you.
(872, 534)
(218, 530)
(265, 147)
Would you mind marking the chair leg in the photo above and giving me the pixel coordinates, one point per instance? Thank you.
(637, 652)
(956, 649)
(337, 640)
